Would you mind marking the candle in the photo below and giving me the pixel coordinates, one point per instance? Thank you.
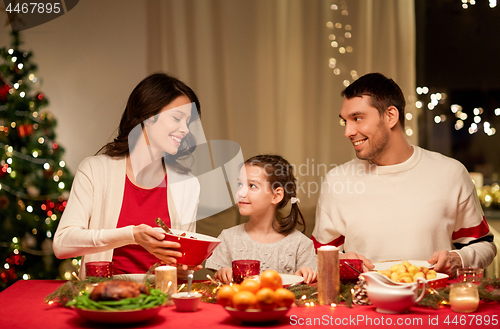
(166, 279)
(464, 297)
(328, 275)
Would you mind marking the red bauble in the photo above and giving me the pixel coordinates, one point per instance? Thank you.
(4, 91)
(25, 130)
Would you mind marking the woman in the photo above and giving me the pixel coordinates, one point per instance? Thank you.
(117, 195)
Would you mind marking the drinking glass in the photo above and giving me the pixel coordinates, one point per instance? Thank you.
(470, 274)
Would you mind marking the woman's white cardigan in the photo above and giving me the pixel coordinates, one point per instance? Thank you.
(88, 224)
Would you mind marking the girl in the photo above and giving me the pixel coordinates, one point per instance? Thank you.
(265, 185)
(117, 195)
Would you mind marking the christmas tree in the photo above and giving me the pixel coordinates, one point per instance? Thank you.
(34, 181)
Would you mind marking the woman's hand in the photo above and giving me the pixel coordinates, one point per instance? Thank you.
(225, 275)
(308, 274)
(152, 240)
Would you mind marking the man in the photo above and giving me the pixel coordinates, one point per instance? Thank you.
(398, 201)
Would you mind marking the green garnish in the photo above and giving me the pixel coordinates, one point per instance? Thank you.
(156, 298)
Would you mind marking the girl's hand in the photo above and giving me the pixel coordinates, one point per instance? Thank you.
(152, 240)
(225, 275)
(308, 274)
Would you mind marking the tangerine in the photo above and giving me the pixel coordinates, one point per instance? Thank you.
(284, 297)
(271, 279)
(266, 299)
(225, 295)
(244, 300)
(250, 285)
(235, 286)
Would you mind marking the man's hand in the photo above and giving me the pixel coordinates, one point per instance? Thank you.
(225, 275)
(367, 264)
(446, 262)
(308, 274)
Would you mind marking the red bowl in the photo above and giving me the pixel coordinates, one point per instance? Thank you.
(195, 247)
(440, 282)
(347, 274)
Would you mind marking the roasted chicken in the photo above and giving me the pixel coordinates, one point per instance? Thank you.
(117, 290)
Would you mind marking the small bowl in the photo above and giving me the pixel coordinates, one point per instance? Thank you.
(347, 274)
(185, 303)
(194, 250)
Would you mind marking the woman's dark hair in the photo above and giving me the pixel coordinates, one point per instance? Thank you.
(147, 99)
(383, 92)
(279, 173)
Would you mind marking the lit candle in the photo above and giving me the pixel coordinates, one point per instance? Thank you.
(328, 274)
(166, 279)
(464, 297)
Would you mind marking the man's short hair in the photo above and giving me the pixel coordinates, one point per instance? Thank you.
(383, 93)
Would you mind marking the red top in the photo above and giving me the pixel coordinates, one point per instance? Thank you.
(139, 206)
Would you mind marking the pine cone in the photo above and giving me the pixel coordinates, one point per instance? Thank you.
(359, 294)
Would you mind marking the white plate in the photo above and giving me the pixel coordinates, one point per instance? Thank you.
(289, 279)
(439, 282)
(382, 266)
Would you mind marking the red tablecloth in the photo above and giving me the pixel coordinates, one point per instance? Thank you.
(22, 306)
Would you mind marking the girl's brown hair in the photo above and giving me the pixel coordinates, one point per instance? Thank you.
(279, 173)
(147, 99)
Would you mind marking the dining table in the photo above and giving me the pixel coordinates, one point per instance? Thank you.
(22, 305)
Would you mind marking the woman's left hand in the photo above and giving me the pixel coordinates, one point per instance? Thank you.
(308, 274)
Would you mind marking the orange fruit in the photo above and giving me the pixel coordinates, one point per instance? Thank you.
(270, 279)
(235, 286)
(225, 295)
(284, 297)
(244, 300)
(266, 299)
(250, 285)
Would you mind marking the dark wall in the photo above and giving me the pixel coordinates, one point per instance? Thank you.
(458, 48)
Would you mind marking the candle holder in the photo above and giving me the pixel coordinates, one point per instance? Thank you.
(99, 269)
(464, 297)
(470, 274)
(166, 279)
(243, 268)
